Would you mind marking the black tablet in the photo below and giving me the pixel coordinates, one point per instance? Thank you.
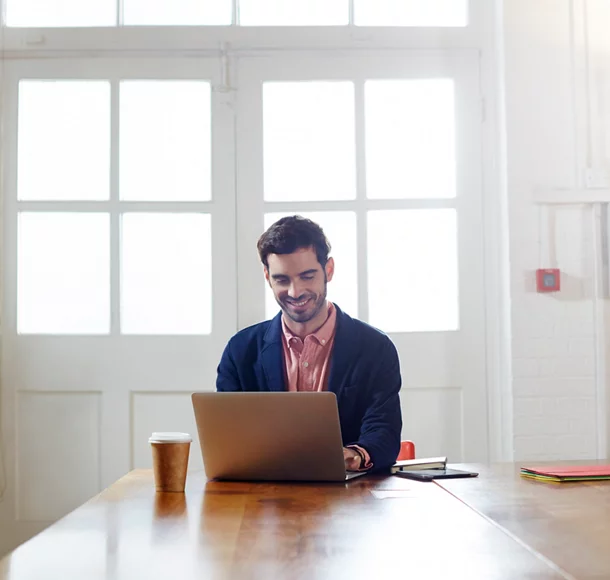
(430, 474)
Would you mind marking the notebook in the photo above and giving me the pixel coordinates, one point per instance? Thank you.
(567, 473)
(421, 463)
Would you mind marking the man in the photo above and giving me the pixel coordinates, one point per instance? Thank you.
(313, 346)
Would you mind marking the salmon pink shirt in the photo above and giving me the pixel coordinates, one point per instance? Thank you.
(307, 362)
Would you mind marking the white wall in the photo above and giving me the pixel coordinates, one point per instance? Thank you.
(553, 346)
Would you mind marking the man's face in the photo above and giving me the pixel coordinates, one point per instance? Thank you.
(299, 282)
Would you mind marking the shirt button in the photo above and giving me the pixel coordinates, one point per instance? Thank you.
(305, 364)
(323, 341)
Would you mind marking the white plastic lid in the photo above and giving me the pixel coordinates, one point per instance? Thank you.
(170, 437)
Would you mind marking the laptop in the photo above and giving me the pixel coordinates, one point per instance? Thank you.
(271, 436)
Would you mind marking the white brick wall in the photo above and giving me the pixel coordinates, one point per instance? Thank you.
(553, 346)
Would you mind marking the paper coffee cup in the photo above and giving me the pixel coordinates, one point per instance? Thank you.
(170, 451)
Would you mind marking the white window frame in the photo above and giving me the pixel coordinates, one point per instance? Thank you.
(465, 365)
(251, 206)
(198, 354)
(32, 41)
(483, 33)
(221, 207)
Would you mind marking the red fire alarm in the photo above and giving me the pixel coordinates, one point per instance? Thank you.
(547, 280)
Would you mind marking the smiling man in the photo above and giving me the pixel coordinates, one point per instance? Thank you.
(311, 345)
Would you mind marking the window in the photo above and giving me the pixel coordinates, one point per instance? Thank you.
(177, 12)
(410, 139)
(166, 262)
(398, 225)
(413, 270)
(63, 273)
(309, 141)
(411, 12)
(64, 260)
(49, 13)
(64, 140)
(165, 141)
(293, 13)
(73, 13)
(99, 13)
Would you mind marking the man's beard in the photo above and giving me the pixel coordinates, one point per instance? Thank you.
(309, 314)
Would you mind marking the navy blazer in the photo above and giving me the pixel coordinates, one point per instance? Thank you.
(364, 375)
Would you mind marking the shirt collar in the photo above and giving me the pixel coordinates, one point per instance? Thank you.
(323, 334)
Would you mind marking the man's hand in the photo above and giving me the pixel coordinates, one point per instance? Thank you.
(353, 461)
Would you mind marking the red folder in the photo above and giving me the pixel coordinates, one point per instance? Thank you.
(568, 472)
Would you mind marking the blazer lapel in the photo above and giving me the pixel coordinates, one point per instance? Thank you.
(343, 352)
(272, 356)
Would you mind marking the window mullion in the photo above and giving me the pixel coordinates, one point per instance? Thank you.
(235, 12)
(115, 225)
(361, 201)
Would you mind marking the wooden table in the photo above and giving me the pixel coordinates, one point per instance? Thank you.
(568, 523)
(370, 527)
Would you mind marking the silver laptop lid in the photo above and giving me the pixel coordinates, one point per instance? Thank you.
(270, 436)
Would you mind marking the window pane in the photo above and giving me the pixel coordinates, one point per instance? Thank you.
(413, 270)
(165, 141)
(309, 141)
(293, 13)
(64, 140)
(63, 273)
(410, 139)
(166, 274)
(411, 12)
(177, 12)
(42, 13)
(340, 229)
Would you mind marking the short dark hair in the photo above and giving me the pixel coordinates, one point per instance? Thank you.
(290, 234)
